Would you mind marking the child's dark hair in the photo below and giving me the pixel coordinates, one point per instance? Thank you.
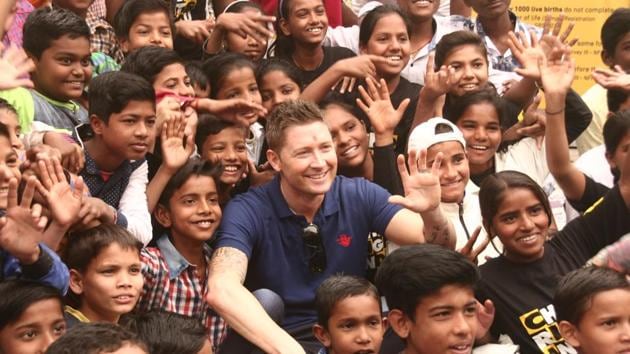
(576, 291)
(616, 98)
(221, 65)
(95, 338)
(286, 115)
(276, 64)
(131, 9)
(617, 126)
(616, 26)
(193, 167)
(458, 105)
(454, 40)
(111, 92)
(45, 25)
(167, 332)
(337, 288)
(16, 295)
(412, 273)
(84, 246)
(495, 187)
(211, 125)
(196, 75)
(371, 19)
(148, 62)
(240, 6)
(335, 99)
(4, 104)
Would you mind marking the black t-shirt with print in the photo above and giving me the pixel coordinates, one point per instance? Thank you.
(522, 293)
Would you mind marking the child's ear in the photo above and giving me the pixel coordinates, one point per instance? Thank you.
(274, 160)
(607, 59)
(124, 44)
(361, 52)
(163, 216)
(322, 335)
(76, 282)
(97, 124)
(569, 333)
(284, 27)
(399, 322)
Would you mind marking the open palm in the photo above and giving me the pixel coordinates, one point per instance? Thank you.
(64, 200)
(421, 184)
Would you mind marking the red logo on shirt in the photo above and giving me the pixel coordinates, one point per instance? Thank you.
(344, 240)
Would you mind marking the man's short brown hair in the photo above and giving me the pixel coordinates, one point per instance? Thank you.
(289, 114)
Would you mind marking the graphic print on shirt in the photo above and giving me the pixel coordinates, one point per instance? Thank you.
(540, 324)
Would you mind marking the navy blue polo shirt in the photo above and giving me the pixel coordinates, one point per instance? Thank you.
(260, 224)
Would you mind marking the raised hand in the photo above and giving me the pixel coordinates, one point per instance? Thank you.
(377, 105)
(260, 176)
(197, 30)
(64, 200)
(254, 25)
(528, 54)
(557, 74)
(534, 122)
(421, 183)
(15, 67)
(617, 79)
(174, 153)
(485, 317)
(471, 252)
(437, 83)
(21, 229)
(230, 110)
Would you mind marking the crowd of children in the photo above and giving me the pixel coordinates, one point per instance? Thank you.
(218, 177)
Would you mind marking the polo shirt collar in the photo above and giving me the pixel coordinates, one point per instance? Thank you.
(329, 206)
(175, 262)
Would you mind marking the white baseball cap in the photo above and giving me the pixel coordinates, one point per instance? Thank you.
(424, 135)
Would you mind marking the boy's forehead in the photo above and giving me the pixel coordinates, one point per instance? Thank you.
(154, 18)
(77, 45)
(197, 184)
(451, 295)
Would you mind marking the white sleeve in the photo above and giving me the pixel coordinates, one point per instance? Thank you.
(134, 206)
(343, 37)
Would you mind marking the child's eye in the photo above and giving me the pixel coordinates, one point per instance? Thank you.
(477, 65)
(151, 122)
(609, 323)
(287, 91)
(213, 200)
(65, 61)
(28, 335)
(350, 127)
(471, 310)
(134, 270)
(60, 329)
(189, 201)
(86, 62)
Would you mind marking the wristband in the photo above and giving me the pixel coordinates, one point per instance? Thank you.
(554, 113)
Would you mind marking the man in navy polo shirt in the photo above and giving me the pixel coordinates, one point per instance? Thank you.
(307, 224)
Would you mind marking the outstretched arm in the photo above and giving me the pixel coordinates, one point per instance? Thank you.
(557, 76)
(241, 310)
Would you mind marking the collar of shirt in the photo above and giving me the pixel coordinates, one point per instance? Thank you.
(175, 262)
(281, 207)
(92, 168)
(69, 105)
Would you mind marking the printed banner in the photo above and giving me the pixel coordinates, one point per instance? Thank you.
(588, 16)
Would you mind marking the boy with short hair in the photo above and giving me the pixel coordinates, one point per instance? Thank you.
(429, 292)
(122, 119)
(349, 316)
(141, 23)
(176, 270)
(98, 338)
(593, 310)
(57, 40)
(223, 142)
